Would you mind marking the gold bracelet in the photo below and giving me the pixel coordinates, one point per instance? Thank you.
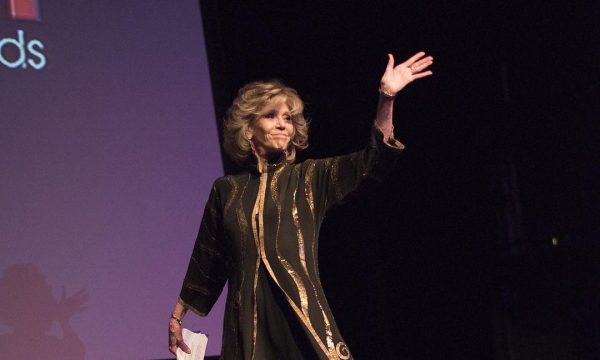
(386, 94)
(176, 319)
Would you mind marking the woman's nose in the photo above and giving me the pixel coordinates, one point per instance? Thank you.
(279, 122)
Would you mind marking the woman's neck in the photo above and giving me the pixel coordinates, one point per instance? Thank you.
(269, 159)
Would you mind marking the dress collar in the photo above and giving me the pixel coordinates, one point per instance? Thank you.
(271, 166)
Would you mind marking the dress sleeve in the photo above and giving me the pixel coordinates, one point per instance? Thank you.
(208, 267)
(334, 178)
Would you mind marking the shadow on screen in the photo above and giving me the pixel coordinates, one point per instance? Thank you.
(29, 309)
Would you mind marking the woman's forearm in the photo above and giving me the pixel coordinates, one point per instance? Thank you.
(383, 118)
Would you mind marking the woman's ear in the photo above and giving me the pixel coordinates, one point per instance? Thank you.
(248, 134)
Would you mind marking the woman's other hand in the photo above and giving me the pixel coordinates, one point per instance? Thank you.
(176, 337)
(397, 77)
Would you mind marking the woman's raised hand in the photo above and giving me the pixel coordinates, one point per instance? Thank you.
(395, 78)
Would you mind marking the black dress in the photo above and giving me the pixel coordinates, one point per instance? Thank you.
(260, 233)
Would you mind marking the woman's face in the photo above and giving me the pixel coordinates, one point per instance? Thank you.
(272, 131)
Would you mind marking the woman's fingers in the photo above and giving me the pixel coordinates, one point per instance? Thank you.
(172, 344)
(184, 346)
(390, 64)
(397, 77)
(419, 68)
(175, 343)
(413, 59)
(423, 63)
(418, 63)
(176, 339)
(421, 75)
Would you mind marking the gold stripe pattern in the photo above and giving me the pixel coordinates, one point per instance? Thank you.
(275, 186)
(334, 179)
(310, 171)
(328, 332)
(255, 309)
(243, 224)
(288, 267)
(275, 197)
(201, 289)
(308, 191)
(301, 315)
(342, 350)
(301, 254)
(190, 307)
(308, 325)
(232, 196)
(257, 231)
(210, 251)
(299, 284)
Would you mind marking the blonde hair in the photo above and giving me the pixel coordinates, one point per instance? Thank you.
(250, 101)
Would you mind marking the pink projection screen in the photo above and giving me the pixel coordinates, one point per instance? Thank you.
(109, 148)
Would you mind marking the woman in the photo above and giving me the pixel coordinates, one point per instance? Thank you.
(260, 228)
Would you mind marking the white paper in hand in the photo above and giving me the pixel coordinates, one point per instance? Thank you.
(196, 342)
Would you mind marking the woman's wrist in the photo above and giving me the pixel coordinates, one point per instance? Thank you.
(178, 312)
(175, 318)
(386, 93)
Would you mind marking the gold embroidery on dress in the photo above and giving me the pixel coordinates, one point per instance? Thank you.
(307, 324)
(299, 235)
(300, 315)
(243, 223)
(275, 197)
(232, 195)
(257, 213)
(288, 267)
(197, 288)
(190, 307)
(334, 179)
(210, 251)
(394, 143)
(327, 328)
(299, 284)
(275, 185)
(301, 254)
(201, 271)
(342, 350)
(257, 231)
(308, 187)
(255, 308)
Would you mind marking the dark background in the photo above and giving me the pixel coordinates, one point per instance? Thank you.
(483, 243)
